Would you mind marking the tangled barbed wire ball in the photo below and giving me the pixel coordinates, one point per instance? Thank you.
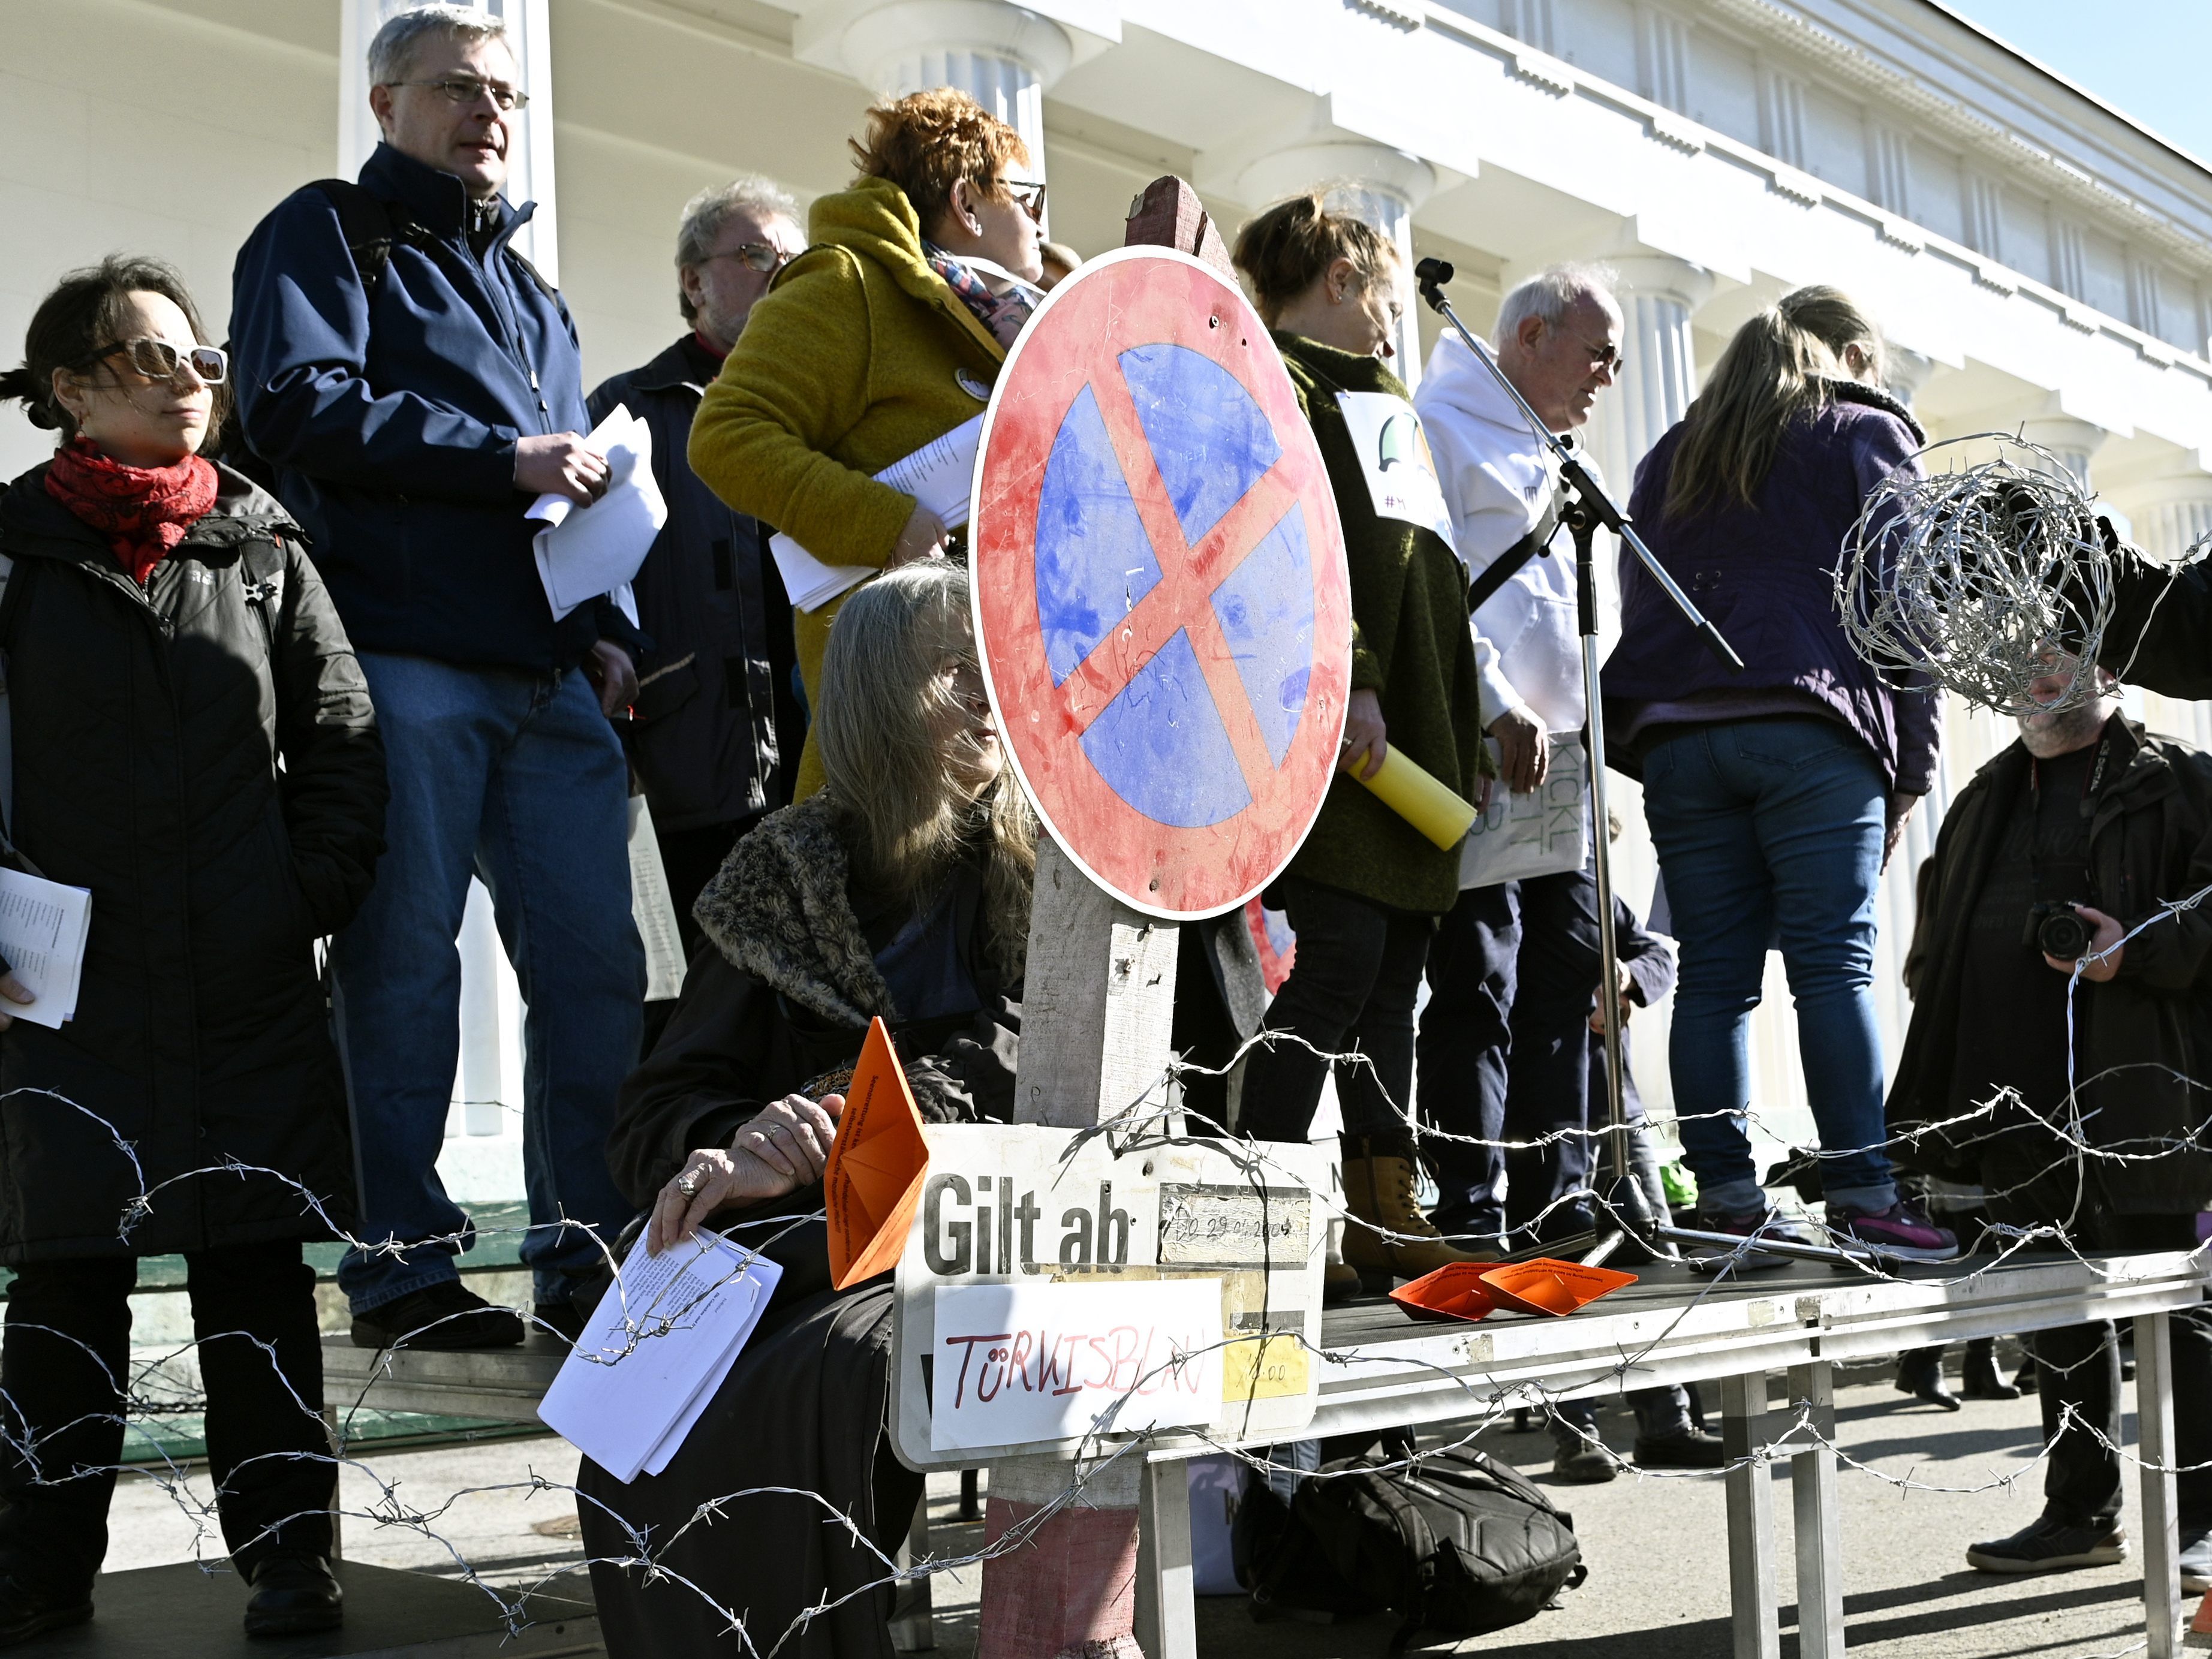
(1978, 575)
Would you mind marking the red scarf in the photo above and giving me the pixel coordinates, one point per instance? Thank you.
(142, 511)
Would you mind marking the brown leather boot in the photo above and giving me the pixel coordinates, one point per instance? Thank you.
(1378, 1189)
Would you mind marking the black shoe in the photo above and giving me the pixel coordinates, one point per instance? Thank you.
(565, 1319)
(2051, 1546)
(1981, 1379)
(1920, 1374)
(294, 1592)
(443, 1315)
(1582, 1462)
(25, 1613)
(1692, 1449)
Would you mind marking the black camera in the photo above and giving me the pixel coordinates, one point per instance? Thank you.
(2057, 930)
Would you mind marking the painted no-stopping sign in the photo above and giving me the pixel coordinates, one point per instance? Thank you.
(1161, 601)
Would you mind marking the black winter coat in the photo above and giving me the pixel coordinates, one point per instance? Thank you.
(704, 739)
(201, 756)
(2150, 839)
(2161, 635)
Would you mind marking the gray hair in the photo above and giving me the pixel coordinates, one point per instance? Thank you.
(884, 703)
(705, 214)
(391, 53)
(1551, 295)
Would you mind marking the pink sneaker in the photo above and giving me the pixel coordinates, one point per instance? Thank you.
(1901, 1232)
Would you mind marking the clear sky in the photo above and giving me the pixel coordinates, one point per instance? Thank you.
(2150, 66)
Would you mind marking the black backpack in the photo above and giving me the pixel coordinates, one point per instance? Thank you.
(1456, 1542)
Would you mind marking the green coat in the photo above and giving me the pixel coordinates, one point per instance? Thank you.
(857, 357)
(1411, 644)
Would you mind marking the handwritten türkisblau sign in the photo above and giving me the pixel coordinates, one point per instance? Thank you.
(1043, 1361)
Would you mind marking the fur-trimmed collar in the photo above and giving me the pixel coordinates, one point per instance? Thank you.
(777, 908)
(1858, 391)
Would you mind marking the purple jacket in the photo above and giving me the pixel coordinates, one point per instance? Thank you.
(1765, 575)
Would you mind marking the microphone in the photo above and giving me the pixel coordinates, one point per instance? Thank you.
(1433, 271)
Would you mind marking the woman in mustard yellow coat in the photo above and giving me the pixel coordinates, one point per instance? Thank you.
(886, 334)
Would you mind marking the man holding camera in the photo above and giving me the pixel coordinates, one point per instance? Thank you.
(2096, 1141)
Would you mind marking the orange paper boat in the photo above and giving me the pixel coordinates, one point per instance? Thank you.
(1470, 1290)
(873, 1182)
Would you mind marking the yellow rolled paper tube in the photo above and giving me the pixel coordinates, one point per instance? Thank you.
(1416, 796)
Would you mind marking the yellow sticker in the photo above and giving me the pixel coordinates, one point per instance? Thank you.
(1274, 1367)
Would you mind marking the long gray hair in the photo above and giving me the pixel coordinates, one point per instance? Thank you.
(888, 692)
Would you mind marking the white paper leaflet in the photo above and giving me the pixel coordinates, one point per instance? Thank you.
(43, 926)
(938, 475)
(586, 552)
(656, 1351)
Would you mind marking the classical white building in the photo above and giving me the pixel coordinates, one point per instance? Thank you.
(2041, 264)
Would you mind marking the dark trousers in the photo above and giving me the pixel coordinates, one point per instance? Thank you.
(1352, 985)
(1465, 1044)
(1555, 1073)
(2079, 1365)
(65, 1359)
(690, 859)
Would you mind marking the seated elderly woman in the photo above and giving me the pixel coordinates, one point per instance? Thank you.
(901, 889)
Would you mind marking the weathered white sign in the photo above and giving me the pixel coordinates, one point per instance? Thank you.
(1044, 1361)
(1030, 1212)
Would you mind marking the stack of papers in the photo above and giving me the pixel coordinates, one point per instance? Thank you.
(939, 475)
(656, 1352)
(586, 552)
(43, 925)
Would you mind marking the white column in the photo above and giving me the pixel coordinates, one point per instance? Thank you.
(2073, 441)
(1003, 57)
(1373, 182)
(2170, 514)
(529, 159)
(1658, 363)
(1909, 373)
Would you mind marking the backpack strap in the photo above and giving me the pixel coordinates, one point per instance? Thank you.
(371, 226)
(1502, 569)
(261, 580)
(552, 294)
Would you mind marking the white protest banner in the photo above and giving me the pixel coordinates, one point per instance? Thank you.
(1016, 1362)
(1539, 834)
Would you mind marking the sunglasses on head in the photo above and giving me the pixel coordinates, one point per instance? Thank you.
(157, 360)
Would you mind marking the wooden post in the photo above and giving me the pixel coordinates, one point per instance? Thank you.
(1098, 1006)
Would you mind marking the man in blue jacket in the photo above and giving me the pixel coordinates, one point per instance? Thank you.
(416, 384)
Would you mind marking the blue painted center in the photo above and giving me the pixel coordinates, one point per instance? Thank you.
(1161, 743)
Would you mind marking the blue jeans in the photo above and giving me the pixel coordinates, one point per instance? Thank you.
(518, 779)
(1766, 829)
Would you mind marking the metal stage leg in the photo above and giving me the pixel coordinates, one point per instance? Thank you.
(1167, 1616)
(2163, 1609)
(914, 1624)
(1750, 1521)
(1819, 1519)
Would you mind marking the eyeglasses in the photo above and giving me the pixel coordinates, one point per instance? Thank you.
(1606, 356)
(1029, 194)
(157, 360)
(755, 256)
(467, 88)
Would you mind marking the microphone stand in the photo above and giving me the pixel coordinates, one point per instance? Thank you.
(1624, 1223)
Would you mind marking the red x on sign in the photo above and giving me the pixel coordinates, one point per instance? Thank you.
(1160, 592)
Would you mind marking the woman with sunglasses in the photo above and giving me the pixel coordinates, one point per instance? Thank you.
(193, 743)
(883, 336)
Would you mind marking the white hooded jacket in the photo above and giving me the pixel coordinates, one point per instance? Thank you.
(1498, 479)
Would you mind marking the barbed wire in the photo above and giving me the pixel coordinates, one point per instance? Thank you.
(1154, 1115)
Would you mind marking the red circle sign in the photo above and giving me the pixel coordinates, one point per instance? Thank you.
(1161, 602)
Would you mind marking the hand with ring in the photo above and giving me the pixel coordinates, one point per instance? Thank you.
(782, 1147)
